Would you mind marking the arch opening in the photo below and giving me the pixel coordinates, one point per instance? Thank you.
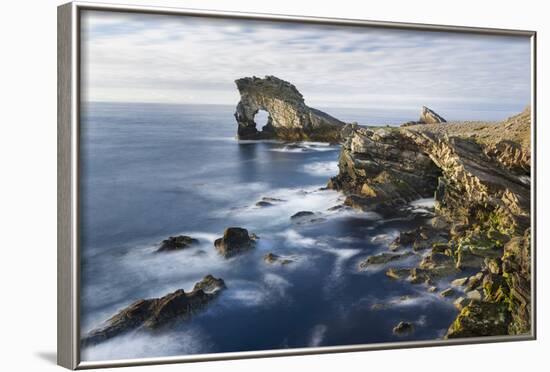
(262, 120)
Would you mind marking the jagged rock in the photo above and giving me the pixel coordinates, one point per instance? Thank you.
(234, 241)
(479, 174)
(438, 264)
(273, 258)
(289, 117)
(474, 295)
(394, 273)
(447, 292)
(174, 243)
(459, 282)
(493, 265)
(403, 328)
(429, 116)
(419, 276)
(432, 289)
(461, 302)
(474, 281)
(383, 258)
(155, 312)
(479, 319)
(405, 238)
(382, 169)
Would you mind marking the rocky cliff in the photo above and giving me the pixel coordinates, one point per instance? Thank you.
(289, 117)
(479, 174)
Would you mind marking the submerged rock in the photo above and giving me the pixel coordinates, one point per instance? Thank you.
(174, 243)
(383, 258)
(301, 214)
(289, 117)
(272, 258)
(263, 203)
(155, 312)
(235, 240)
(403, 328)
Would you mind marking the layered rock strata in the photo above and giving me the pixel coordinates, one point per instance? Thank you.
(289, 117)
(479, 174)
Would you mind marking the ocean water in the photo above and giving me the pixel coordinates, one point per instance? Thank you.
(153, 171)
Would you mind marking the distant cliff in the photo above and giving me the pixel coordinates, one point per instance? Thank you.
(289, 117)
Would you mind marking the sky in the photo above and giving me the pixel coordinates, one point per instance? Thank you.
(195, 60)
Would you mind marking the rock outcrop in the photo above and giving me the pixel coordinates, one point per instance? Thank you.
(155, 312)
(289, 117)
(427, 116)
(479, 174)
(175, 243)
(382, 169)
(235, 240)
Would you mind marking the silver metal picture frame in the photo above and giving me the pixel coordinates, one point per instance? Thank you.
(69, 178)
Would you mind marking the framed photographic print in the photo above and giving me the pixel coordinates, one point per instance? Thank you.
(236, 185)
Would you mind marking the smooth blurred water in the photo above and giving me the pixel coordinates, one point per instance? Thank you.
(153, 171)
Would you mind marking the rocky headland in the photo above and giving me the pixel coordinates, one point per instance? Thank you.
(479, 174)
(289, 117)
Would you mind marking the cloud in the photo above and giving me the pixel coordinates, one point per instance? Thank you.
(161, 58)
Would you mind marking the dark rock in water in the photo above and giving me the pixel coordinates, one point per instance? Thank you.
(404, 239)
(301, 214)
(272, 200)
(383, 258)
(438, 264)
(481, 319)
(289, 117)
(156, 312)
(449, 292)
(263, 204)
(403, 328)
(419, 276)
(175, 243)
(235, 240)
(396, 273)
(273, 258)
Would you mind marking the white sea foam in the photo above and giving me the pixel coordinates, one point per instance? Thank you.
(227, 191)
(294, 238)
(322, 168)
(303, 147)
(318, 335)
(138, 343)
(293, 200)
(423, 203)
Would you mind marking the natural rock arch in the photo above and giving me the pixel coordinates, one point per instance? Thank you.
(289, 117)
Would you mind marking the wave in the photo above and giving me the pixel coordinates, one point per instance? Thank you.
(322, 168)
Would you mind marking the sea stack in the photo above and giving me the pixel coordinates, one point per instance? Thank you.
(289, 117)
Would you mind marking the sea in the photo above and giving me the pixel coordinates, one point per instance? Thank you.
(150, 171)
